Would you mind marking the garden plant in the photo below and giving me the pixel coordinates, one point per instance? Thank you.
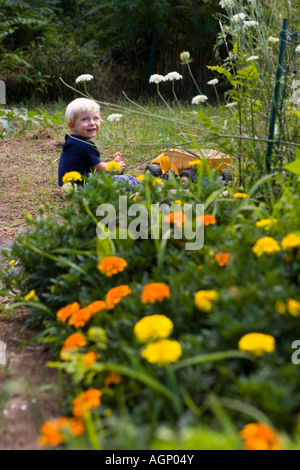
(159, 345)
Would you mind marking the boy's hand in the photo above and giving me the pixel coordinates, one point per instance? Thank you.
(122, 164)
(118, 157)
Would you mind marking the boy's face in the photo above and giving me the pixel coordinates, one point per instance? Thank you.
(87, 124)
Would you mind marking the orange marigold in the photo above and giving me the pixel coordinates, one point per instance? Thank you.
(112, 265)
(67, 311)
(155, 292)
(222, 258)
(53, 432)
(82, 316)
(89, 358)
(207, 219)
(176, 218)
(112, 378)
(85, 401)
(73, 342)
(259, 436)
(114, 295)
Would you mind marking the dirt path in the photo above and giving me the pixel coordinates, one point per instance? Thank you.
(29, 390)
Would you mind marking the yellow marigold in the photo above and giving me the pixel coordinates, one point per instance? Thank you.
(222, 258)
(177, 201)
(266, 246)
(265, 223)
(293, 307)
(114, 295)
(73, 342)
(259, 436)
(80, 317)
(280, 307)
(113, 166)
(207, 219)
(153, 327)
(31, 296)
(112, 265)
(195, 162)
(71, 176)
(290, 242)
(240, 195)
(67, 311)
(162, 352)
(140, 177)
(85, 401)
(257, 343)
(204, 299)
(155, 292)
(112, 379)
(89, 359)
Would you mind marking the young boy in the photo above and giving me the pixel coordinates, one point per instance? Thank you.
(79, 152)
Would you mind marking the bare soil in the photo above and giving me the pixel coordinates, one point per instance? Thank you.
(29, 390)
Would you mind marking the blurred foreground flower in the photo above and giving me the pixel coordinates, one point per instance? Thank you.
(91, 398)
(31, 296)
(73, 342)
(66, 312)
(257, 343)
(113, 166)
(259, 436)
(115, 295)
(207, 219)
(162, 352)
(266, 246)
(54, 432)
(112, 265)
(222, 258)
(153, 327)
(155, 292)
(290, 242)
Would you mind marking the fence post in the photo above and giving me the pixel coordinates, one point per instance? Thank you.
(276, 93)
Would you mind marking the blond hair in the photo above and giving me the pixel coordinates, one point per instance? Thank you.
(78, 106)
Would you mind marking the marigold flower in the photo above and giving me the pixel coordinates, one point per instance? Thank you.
(266, 246)
(73, 342)
(89, 359)
(265, 223)
(80, 317)
(204, 299)
(162, 352)
(259, 436)
(114, 295)
(240, 195)
(113, 166)
(257, 343)
(51, 434)
(293, 307)
(112, 379)
(207, 219)
(222, 258)
(290, 242)
(30, 296)
(112, 265)
(91, 398)
(153, 327)
(196, 162)
(71, 176)
(155, 292)
(67, 311)
(176, 218)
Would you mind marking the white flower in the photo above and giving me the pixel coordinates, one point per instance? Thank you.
(214, 81)
(84, 78)
(114, 117)
(251, 23)
(238, 17)
(156, 78)
(252, 57)
(185, 56)
(230, 105)
(271, 39)
(226, 3)
(297, 48)
(199, 99)
(173, 76)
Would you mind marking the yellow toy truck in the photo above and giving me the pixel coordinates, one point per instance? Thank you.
(180, 163)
